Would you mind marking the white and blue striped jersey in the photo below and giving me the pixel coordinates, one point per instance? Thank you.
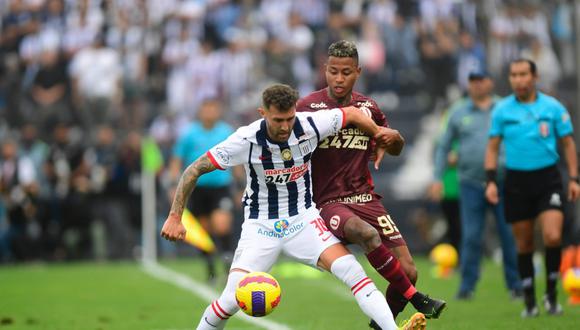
(277, 174)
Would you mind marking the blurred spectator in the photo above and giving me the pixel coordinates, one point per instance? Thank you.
(203, 75)
(563, 33)
(49, 92)
(470, 58)
(549, 71)
(135, 65)
(96, 74)
(176, 55)
(17, 187)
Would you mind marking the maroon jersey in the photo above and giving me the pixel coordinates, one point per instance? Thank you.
(340, 164)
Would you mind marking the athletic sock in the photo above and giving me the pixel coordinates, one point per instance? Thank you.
(396, 300)
(553, 257)
(526, 269)
(219, 311)
(369, 299)
(385, 262)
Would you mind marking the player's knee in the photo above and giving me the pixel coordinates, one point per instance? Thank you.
(552, 238)
(525, 244)
(363, 234)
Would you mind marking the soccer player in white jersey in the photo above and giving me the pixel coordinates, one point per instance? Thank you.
(279, 213)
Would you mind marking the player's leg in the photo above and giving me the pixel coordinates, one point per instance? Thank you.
(552, 222)
(347, 225)
(523, 231)
(473, 207)
(254, 253)
(551, 218)
(509, 254)
(220, 310)
(520, 208)
(342, 264)
(221, 222)
(362, 225)
(200, 207)
(315, 245)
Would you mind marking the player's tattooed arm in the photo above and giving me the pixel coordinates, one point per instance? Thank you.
(188, 181)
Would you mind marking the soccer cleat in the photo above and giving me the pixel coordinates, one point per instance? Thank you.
(530, 312)
(373, 325)
(517, 294)
(552, 307)
(415, 322)
(464, 295)
(431, 308)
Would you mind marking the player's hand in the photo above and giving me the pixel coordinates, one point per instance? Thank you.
(491, 193)
(573, 191)
(390, 139)
(173, 229)
(378, 155)
(435, 191)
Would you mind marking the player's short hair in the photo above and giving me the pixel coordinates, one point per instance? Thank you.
(533, 68)
(283, 97)
(343, 48)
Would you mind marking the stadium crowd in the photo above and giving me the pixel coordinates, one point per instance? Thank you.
(81, 83)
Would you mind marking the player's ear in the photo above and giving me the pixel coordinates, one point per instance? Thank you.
(262, 112)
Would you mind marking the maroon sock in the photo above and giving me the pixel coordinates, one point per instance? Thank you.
(385, 262)
(395, 300)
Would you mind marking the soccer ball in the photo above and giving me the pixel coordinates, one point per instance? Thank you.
(571, 283)
(258, 293)
(444, 255)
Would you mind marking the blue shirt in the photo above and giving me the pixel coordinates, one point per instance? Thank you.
(530, 131)
(196, 141)
(469, 126)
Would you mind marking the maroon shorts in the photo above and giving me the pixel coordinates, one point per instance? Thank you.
(336, 214)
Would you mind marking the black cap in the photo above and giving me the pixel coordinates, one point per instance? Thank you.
(477, 74)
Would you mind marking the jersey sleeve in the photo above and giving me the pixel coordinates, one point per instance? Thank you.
(230, 152)
(328, 122)
(563, 123)
(496, 126)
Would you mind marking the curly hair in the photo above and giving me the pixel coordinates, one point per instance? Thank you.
(343, 48)
(283, 97)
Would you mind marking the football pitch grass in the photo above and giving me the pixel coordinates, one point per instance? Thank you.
(99, 296)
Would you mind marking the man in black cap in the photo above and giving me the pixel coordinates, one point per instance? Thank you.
(469, 125)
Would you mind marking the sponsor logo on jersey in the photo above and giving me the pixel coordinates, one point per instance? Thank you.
(280, 225)
(285, 175)
(555, 200)
(286, 154)
(320, 105)
(366, 111)
(334, 222)
(222, 155)
(281, 232)
(304, 147)
(366, 104)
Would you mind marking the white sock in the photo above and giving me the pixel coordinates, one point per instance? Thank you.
(371, 301)
(219, 311)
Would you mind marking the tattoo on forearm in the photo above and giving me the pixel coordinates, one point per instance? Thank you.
(188, 180)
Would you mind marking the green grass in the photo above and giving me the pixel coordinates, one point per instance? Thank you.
(121, 296)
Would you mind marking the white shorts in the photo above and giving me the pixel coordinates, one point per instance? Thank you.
(303, 237)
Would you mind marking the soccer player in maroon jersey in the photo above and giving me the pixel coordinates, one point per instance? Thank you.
(343, 185)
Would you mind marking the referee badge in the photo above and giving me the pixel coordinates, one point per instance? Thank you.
(544, 129)
(286, 154)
